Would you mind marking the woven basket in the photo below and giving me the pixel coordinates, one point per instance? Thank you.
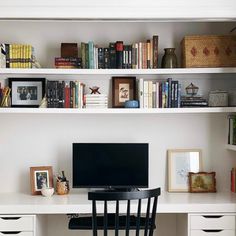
(209, 51)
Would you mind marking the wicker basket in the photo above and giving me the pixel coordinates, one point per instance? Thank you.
(209, 51)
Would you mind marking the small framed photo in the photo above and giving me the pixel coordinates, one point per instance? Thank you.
(123, 89)
(40, 176)
(180, 163)
(26, 92)
(202, 182)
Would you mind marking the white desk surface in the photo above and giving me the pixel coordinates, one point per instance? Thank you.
(16, 203)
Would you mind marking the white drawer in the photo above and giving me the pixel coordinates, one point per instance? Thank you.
(17, 234)
(212, 222)
(225, 232)
(16, 223)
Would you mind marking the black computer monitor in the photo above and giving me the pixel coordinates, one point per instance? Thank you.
(110, 165)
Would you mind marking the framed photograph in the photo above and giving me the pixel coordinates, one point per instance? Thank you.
(180, 163)
(202, 182)
(123, 89)
(26, 92)
(40, 176)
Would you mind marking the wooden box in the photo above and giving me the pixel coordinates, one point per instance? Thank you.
(209, 51)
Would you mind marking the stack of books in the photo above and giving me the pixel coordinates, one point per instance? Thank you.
(193, 101)
(159, 94)
(232, 130)
(68, 63)
(16, 56)
(117, 55)
(96, 101)
(61, 94)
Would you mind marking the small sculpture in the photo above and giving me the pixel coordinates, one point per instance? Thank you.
(43, 103)
(94, 90)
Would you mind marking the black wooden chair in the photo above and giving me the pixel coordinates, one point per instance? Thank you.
(116, 220)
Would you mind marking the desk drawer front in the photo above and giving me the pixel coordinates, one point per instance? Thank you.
(16, 233)
(212, 233)
(16, 223)
(212, 222)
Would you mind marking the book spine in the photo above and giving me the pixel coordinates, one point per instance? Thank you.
(169, 91)
(145, 94)
(155, 51)
(7, 56)
(157, 94)
(112, 53)
(140, 55)
(141, 93)
(150, 87)
(91, 59)
(160, 94)
(86, 56)
(179, 96)
(148, 44)
(151, 53)
(119, 54)
(3, 55)
(67, 95)
(106, 58)
(100, 58)
(130, 57)
(154, 95)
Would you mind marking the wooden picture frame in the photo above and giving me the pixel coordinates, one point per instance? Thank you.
(26, 92)
(202, 182)
(123, 89)
(180, 163)
(40, 176)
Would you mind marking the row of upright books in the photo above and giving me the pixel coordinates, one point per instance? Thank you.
(160, 94)
(233, 180)
(16, 55)
(61, 94)
(232, 130)
(140, 55)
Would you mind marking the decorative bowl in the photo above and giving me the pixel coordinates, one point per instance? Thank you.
(47, 192)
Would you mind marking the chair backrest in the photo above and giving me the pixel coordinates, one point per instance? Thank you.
(148, 219)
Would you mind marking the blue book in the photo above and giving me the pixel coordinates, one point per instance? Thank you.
(91, 55)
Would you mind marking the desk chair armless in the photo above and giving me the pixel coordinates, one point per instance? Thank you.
(118, 221)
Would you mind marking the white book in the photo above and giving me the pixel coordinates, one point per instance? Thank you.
(140, 92)
(145, 94)
(96, 95)
(149, 94)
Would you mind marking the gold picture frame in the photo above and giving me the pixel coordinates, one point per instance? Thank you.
(202, 182)
(180, 163)
(40, 176)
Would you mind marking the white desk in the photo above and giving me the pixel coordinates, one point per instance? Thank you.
(77, 203)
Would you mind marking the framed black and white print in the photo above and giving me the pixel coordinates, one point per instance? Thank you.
(26, 92)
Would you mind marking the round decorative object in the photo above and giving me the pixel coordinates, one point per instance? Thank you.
(218, 99)
(169, 60)
(132, 104)
(47, 192)
(191, 90)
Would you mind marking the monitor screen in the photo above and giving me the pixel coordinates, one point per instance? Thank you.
(102, 165)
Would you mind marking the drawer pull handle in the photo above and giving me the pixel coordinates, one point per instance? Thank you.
(212, 230)
(213, 217)
(11, 232)
(10, 218)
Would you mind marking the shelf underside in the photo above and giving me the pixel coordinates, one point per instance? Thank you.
(181, 71)
(117, 110)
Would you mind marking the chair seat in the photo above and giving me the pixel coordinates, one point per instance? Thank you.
(85, 223)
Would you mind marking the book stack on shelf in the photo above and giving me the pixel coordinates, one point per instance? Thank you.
(96, 101)
(193, 101)
(61, 94)
(16, 56)
(140, 55)
(160, 94)
(69, 57)
(232, 130)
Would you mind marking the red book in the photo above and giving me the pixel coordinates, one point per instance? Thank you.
(67, 96)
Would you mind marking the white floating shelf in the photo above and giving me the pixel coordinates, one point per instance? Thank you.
(231, 147)
(117, 111)
(181, 71)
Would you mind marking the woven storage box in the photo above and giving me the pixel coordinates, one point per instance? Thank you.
(209, 51)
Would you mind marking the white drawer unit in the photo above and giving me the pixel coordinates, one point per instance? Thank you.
(18, 225)
(211, 224)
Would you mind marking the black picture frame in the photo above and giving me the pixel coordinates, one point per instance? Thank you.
(26, 92)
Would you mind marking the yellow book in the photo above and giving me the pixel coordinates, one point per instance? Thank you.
(10, 56)
(24, 55)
